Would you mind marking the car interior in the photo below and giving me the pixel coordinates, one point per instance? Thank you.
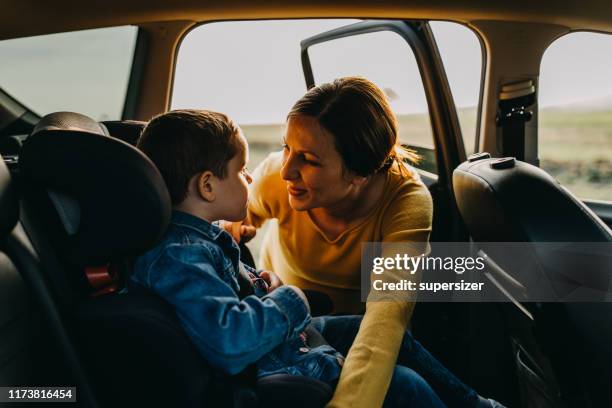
(78, 202)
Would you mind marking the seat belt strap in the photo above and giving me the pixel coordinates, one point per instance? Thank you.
(512, 115)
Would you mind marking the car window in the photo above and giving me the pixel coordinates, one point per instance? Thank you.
(575, 113)
(252, 71)
(461, 54)
(81, 71)
(386, 59)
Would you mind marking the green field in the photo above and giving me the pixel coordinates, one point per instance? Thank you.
(575, 145)
(576, 148)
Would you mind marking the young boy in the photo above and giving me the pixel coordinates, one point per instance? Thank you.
(235, 315)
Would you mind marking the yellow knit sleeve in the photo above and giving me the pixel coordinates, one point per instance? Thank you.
(266, 191)
(369, 365)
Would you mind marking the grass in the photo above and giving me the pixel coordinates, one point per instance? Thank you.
(575, 146)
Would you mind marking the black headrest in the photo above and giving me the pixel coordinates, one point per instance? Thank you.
(126, 130)
(110, 198)
(9, 204)
(509, 200)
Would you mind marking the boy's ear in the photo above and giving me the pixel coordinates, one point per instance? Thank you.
(206, 185)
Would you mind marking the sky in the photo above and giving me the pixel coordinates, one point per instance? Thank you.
(252, 70)
(261, 74)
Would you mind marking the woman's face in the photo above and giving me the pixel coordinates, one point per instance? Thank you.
(312, 167)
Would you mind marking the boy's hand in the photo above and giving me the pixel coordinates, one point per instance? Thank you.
(271, 279)
(239, 231)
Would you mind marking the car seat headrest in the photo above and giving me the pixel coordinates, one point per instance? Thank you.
(70, 121)
(127, 130)
(503, 199)
(9, 204)
(109, 198)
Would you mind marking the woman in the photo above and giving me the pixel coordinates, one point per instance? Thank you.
(340, 181)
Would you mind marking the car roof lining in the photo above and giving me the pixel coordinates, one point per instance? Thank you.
(499, 24)
(70, 15)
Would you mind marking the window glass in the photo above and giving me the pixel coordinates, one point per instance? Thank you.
(82, 71)
(575, 113)
(386, 59)
(461, 55)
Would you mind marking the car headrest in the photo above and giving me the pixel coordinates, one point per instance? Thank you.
(69, 121)
(9, 204)
(126, 130)
(110, 199)
(506, 200)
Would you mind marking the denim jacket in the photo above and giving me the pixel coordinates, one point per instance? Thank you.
(196, 268)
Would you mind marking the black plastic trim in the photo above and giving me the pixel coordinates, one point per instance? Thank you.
(132, 95)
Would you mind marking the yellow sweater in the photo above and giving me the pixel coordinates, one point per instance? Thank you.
(302, 255)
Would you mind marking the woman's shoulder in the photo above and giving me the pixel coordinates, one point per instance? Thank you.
(408, 205)
(406, 185)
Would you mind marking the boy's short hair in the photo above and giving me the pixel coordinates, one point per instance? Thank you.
(183, 143)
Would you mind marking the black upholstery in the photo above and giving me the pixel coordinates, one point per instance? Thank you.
(135, 344)
(281, 391)
(34, 345)
(567, 344)
(15, 302)
(85, 171)
(126, 130)
(521, 203)
(9, 204)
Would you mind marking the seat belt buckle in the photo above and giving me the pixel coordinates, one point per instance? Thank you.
(102, 280)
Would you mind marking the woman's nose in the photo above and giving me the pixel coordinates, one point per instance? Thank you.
(288, 170)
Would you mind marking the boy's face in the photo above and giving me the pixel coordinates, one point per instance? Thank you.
(233, 191)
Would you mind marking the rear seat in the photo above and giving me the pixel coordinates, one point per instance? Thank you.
(90, 200)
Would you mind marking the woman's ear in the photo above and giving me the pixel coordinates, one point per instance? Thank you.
(206, 183)
(358, 181)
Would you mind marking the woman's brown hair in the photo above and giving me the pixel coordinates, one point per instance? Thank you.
(356, 112)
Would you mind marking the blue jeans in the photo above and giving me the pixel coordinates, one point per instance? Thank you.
(418, 380)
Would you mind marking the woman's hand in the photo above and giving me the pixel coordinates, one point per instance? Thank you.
(271, 279)
(239, 231)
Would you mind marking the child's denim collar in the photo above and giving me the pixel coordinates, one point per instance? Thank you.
(184, 219)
